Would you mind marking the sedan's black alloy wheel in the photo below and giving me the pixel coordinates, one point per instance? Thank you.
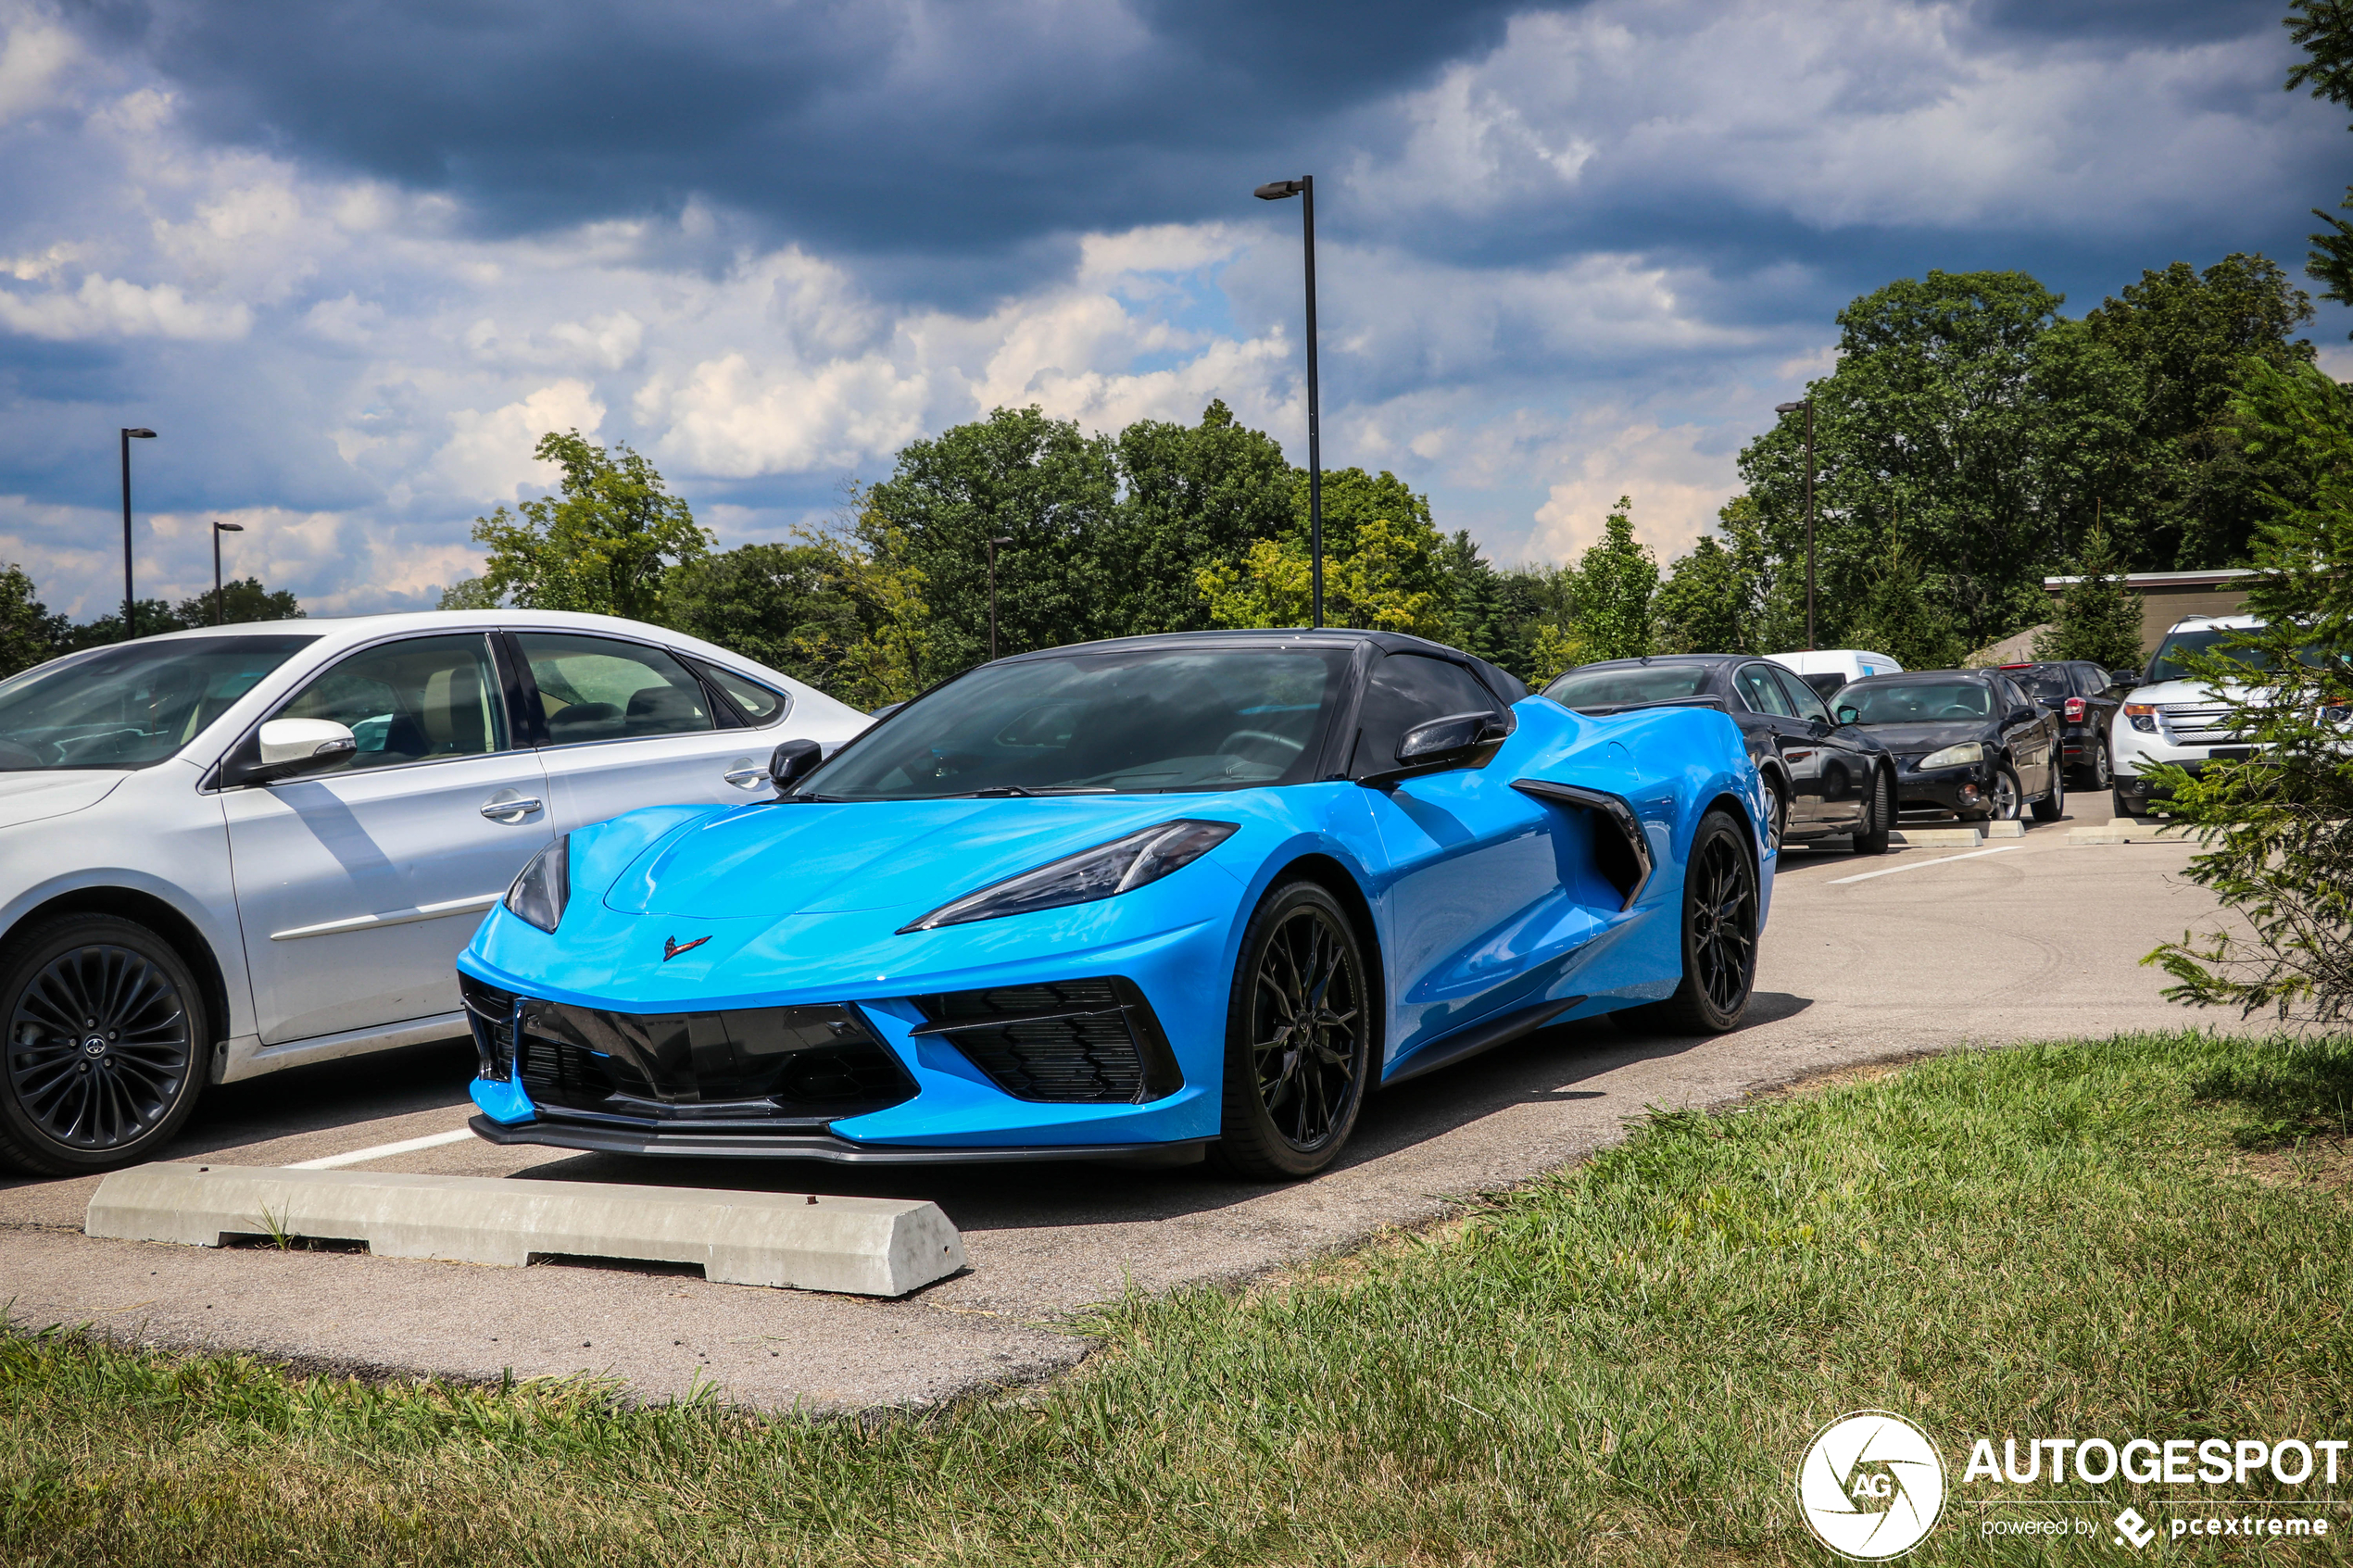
(1301, 1028)
(104, 1045)
(1719, 937)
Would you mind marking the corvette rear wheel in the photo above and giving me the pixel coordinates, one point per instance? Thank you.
(1719, 937)
(103, 1053)
(1300, 1030)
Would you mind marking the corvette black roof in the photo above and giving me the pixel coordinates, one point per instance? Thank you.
(1506, 685)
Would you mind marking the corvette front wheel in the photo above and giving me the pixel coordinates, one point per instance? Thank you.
(1300, 1029)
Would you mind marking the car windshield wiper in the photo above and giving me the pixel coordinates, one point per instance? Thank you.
(1004, 792)
(810, 797)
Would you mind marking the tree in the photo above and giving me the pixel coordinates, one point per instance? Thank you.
(29, 634)
(2181, 475)
(2323, 30)
(1616, 580)
(2276, 828)
(770, 602)
(601, 544)
(1378, 584)
(2099, 618)
(1537, 608)
(1195, 495)
(1474, 613)
(243, 600)
(1045, 486)
(1897, 619)
(1700, 607)
(890, 649)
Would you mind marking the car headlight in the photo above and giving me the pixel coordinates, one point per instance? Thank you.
(2141, 716)
(1092, 874)
(540, 893)
(1953, 756)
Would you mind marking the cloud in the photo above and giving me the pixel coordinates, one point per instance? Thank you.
(490, 454)
(114, 307)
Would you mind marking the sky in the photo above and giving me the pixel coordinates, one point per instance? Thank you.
(351, 259)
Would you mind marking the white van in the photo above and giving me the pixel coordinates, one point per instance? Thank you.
(1826, 670)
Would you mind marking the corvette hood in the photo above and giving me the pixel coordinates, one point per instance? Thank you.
(1918, 740)
(29, 797)
(771, 861)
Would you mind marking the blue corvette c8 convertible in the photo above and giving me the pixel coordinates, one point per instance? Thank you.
(1204, 889)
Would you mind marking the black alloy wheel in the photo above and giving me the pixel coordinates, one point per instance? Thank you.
(1299, 1033)
(1879, 815)
(1776, 814)
(104, 1058)
(1719, 937)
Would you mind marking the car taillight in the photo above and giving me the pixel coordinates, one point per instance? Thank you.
(2075, 710)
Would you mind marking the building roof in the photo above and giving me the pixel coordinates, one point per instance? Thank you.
(2214, 579)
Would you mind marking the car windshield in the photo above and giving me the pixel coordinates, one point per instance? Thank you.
(2049, 683)
(1143, 719)
(2168, 666)
(1610, 687)
(133, 705)
(1915, 702)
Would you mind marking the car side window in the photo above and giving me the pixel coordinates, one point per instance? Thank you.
(411, 701)
(2012, 697)
(759, 704)
(1801, 698)
(2090, 680)
(601, 688)
(1761, 692)
(1407, 689)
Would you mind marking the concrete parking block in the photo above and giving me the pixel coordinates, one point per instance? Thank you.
(2124, 830)
(2011, 829)
(1937, 838)
(806, 1241)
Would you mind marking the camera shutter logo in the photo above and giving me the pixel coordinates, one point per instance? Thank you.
(1870, 1486)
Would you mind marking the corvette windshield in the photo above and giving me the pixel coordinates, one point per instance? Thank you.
(133, 705)
(1113, 722)
(1917, 702)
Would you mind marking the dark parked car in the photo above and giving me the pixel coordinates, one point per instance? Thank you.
(2085, 697)
(1825, 780)
(1969, 742)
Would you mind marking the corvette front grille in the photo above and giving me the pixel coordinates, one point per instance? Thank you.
(1066, 1042)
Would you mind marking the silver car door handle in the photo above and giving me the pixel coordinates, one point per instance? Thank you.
(745, 778)
(510, 810)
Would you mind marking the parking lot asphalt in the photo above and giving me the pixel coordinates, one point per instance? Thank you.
(2040, 940)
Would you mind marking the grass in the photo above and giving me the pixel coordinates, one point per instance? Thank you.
(2147, 1234)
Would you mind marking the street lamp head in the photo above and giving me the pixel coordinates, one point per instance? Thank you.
(1791, 408)
(1276, 189)
(140, 434)
(228, 528)
(1007, 540)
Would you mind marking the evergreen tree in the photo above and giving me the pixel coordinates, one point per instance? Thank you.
(1897, 619)
(1616, 580)
(2099, 618)
(1699, 607)
(2323, 30)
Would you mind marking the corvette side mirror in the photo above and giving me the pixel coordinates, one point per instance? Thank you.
(792, 761)
(291, 747)
(1459, 740)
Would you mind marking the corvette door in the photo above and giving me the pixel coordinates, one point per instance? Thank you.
(1468, 855)
(628, 726)
(356, 889)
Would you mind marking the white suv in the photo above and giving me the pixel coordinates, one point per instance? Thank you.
(225, 852)
(2170, 717)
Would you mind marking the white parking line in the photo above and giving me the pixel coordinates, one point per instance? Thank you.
(1916, 865)
(383, 1150)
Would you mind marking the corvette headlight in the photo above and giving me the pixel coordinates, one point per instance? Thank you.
(1101, 872)
(1953, 756)
(540, 893)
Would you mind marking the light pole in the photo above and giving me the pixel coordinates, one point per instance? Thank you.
(1304, 188)
(1806, 404)
(218, 530)
(992, 594)
(130, 607)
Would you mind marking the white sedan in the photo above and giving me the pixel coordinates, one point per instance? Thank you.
(225, 852)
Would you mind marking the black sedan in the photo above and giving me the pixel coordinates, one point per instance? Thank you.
(2085, 697)
(1826, 780)
(1967, 741)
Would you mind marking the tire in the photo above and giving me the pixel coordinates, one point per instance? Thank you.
(2100, 774)
(2003, 807)
(1878, 818)
(104, 1056)
(2053, 806)
(1292, 1094)
(1776, 811)
(1719, 938)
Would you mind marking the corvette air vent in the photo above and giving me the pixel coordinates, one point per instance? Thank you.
(1067, 1042)
(1621, 853)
